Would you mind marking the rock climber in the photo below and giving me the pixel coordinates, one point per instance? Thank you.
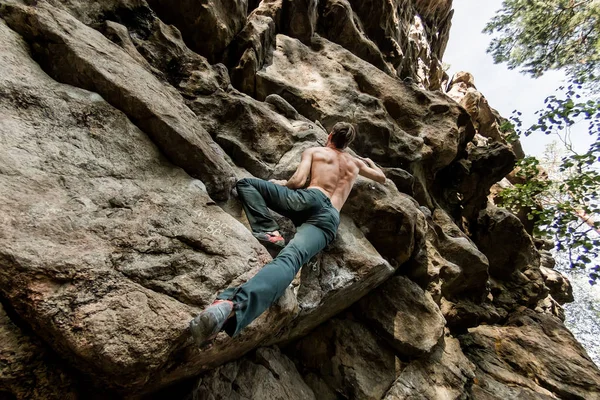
(315, 211)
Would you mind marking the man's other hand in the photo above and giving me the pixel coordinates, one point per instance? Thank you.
(281, 182)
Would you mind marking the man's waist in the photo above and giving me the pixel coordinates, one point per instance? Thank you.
(320, 189)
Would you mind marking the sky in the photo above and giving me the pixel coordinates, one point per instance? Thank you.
(505, 90)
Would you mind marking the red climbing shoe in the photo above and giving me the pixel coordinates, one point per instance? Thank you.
(270, 238)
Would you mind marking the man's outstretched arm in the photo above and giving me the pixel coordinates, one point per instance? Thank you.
(298, 180)
(368, 169)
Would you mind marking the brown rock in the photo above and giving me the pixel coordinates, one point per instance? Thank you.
(83, 57)
(486, 120)
(411, 35)
(558, 284)
(299, 18)
(254, 45)
(27, 369)
(208, 26)
(390, 220)
(398, 124)
(347, 270)
(339, 23)
(514, 266)
(465, 185)
(405, 315)
(447, 262)
(348, 358)
(108, 251)
(535, 353)
(445, 374)
(266, 374)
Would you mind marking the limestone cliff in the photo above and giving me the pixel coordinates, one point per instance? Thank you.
(123, 127)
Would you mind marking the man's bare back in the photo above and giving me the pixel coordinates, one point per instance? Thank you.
(332, 171)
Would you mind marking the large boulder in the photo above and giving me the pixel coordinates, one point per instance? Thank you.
(76, 54)
(445, 374)
(340, 24)
(412, 36)
(207, 26)
(346, 271)
(398, 123)
(405, 315)
(532, 353)
(266, 374)
(447, 262)
(28, 370)
(515, 273)
(107, 249)
(344, 356)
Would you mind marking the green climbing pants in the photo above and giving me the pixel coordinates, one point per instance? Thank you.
(316, 220)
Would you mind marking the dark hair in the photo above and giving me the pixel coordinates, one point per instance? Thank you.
(342, 134)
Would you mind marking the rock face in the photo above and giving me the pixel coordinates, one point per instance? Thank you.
(124, 125)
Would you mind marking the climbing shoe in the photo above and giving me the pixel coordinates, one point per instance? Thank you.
(209, 322)
(270, 239)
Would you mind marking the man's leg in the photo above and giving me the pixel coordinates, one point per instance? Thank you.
(259, 293)
(258, 196)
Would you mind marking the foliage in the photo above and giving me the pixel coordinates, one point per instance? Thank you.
(540, 35)
(564, 202)
(537, 36)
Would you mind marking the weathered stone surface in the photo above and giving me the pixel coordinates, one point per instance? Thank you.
(299, 18)
(559, 286)
(404, 314)
(487, 121)
(266, 374)
(255, 134)
(515, 269)
(534, 352)
(348, 358)
(81, 56)
(106, 252)
(403, 180)
(107, 249)
(398, 123)
(347, 270)
(208, 26)
(391, 221)
(339, 24)
(254, 45)
(27, 369)
(465, 313)
(467, 182)
(411, 35)
(445, 374)
(447, 262)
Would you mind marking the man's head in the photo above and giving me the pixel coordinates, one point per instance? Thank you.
(342, 134)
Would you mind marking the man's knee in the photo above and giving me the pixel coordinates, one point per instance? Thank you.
(242, 182)
(245, 183)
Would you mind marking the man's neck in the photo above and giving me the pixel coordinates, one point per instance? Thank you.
(332, 146)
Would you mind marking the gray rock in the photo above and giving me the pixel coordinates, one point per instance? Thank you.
(535, 353)
(208, 26)
(28, 370)
(266, 374)
(404, 314)
(85, 58)
(348, 358)
(107, 249)
(444, 374)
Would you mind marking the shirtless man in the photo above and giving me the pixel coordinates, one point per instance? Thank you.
(315, 211)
